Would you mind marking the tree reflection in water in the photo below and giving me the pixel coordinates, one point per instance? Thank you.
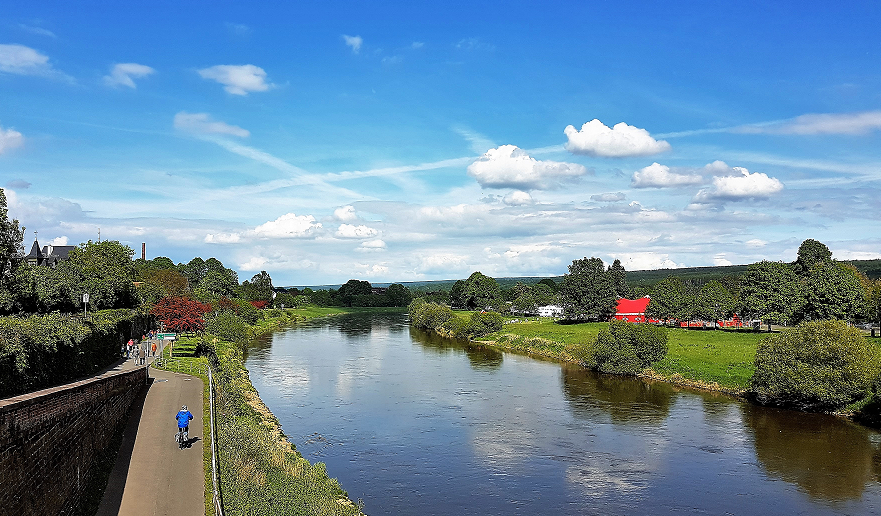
(481, 357)
(828, 457)
(627, 401)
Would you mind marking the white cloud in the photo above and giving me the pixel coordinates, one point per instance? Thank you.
(122, 73)
(372, 245)
(608, 197)
(756, 243)
(660, 176)
(62, 240)
(352, 231)
(238, 79)
(642, 261)
(22, 60)
(40, 31)
(288, 226)
(857, 255)
(443, 262)
(255, 263)
(354, 42)
(622, 140)
(10, 139)
(742, 186)
(518, 198)
(202, 123)
(222, 238)
(823, 123)
(510, 167)
(720, 261)
(345, 214)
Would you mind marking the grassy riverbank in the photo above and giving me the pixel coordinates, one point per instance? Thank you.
(261, 472)
(721, 360)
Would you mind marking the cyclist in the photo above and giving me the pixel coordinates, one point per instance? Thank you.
(183, 421)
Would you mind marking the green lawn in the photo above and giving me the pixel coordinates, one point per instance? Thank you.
(703, 356)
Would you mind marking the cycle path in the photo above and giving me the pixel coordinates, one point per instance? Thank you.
(152, 476)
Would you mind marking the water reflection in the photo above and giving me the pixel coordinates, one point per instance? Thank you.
(829, 458)
(480, 357)
(627, 401)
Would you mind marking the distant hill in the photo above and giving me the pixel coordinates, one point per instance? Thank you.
(871, 268)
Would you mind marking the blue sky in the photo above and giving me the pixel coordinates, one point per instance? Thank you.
(419, 141)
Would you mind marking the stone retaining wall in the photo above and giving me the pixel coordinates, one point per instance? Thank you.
(50, 439)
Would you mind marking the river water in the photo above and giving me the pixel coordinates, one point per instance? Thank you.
(414, 424)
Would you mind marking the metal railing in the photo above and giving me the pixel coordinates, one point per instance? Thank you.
(189, 366)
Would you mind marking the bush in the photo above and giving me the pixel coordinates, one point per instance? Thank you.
(227, 326)
(480, 324)
(627, 348)
(429, 316)
(820, 365)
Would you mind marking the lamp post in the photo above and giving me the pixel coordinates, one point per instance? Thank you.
(85, 303)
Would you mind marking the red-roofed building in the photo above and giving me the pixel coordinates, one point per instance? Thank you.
(633, 310)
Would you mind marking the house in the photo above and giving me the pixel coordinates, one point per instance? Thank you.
(633, 310)
(550, 311)
(49, 255)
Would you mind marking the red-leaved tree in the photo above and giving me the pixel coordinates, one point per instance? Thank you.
(260, 305)
(181, 314)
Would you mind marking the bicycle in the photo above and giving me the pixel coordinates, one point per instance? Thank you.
(182, 438)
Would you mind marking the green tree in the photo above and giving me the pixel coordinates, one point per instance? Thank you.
(351, 290)
(772, 292)
(482, 292)
(258, 289)
(810, 253)
(714, 302)
(627, 348)
(619, 279)
(398, 295)
(669, 301)
(217, 283)
(11, 254)
(105, 271)
(834, 292)
(550, 283)
(587, 291)
(194, 271)
(457, 294)
(820, 365)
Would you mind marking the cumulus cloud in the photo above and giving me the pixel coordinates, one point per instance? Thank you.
(202, 123)
(648, 260)
(608, 197)
(660, 176)
(824, 123)
(510, 167)
(10, 139)
(238, 79)
(744, 185)
(622, 140)
(756, 243)
(255, 263)
(372, 245)
(22, 60)
(122, 74)
(352, 231)
(345, 214)
(222, 238)
(289, 225)
(354, 42)
(720, 261)
(62, 240)
(517, 198)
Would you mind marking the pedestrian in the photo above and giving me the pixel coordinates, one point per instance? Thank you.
(143, 350)
(131, 342)
(154, 348)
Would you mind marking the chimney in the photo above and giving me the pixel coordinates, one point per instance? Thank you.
(144, 251)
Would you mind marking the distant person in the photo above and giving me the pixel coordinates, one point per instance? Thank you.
(143, 351)
(153, 348)
(131, 343)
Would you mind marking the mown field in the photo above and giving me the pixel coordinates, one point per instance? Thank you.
(700, 356)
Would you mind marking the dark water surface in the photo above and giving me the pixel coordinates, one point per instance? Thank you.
(414, 424)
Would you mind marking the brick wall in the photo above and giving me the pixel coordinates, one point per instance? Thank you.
(49, 440)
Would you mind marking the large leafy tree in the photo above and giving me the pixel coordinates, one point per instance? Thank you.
(11, 254)
(619, 278)
(834, 292)
(398, 295)
(351, 290)
(587, 291)
(669, 300)
(714, 302)
(194, 271)
(482, 292)
(105, 271)
(810, 253)
(772, 292)
(457, 297)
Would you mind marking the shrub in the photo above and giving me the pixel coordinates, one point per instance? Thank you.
(820, 365)
(227, 326)
(480, 324)
(429, 316)
(627, 348)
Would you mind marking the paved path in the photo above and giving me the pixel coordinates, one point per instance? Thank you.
(151, 475)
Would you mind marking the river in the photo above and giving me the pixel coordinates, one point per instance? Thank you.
(415, 424)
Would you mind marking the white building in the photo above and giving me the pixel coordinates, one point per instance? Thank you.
(550, 311)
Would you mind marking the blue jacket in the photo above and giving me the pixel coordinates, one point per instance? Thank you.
(183, 418)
